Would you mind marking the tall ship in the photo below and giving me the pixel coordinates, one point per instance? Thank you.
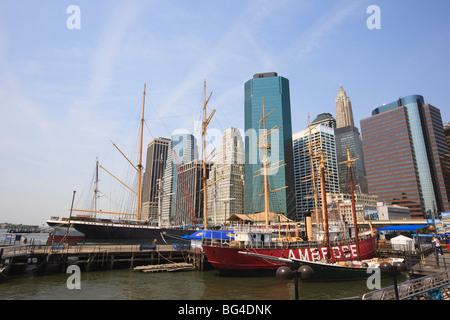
(91, 228)
(254, 252)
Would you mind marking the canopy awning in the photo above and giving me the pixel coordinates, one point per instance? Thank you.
(210, 234)
(413, 227)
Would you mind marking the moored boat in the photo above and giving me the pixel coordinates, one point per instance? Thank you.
(254, 253)
(335, 271)
(133, 229)
(228, 259)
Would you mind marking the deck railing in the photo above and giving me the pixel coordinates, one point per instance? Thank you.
(276, 244)
(425, 288)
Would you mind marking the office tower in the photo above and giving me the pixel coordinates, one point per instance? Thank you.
(188, 202)
(226, 194)
(275, 91)
(406, 155)
(182, 149)
(344, 112)
(326, 119)
(447, 133)
(154, 170)
(348, 137)
(320, 141)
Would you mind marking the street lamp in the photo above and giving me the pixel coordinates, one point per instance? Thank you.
(285, 273)
(393, 268)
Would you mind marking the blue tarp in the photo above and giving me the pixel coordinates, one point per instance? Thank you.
(403, 228)
(209, 234)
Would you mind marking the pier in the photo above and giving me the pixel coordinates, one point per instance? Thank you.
(44, 259)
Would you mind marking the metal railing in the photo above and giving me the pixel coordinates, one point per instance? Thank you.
(14, 251)
(426, 260)
(275, 244)
(424, 288)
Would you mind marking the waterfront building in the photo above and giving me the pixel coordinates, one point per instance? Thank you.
(360, 198)
(345, 213)
(226, 194)
(154, 169)
(321, 141)
(392, 212)
(275, 92)
(348, 137)
(406, 155)
(182, 149)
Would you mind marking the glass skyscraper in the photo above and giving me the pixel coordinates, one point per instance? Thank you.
(407, 157)
(275, 91)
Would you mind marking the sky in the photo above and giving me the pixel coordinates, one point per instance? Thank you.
(72, 81)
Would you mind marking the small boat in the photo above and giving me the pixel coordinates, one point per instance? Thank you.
(338, 271)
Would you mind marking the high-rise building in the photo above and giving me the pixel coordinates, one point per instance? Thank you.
(447, 133)
(188, 206)
(226, 194)
(182, 149)
(348, 137)
(320, 141)
(275, 92)
(405, 152)
(154, 170)
(344, 112)
(326, 119)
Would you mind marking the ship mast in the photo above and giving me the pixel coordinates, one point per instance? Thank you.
(323, 194)
(313, 174)
(96, 186)
(349, 165)
(204, 178)
(139, 166)
(265, 146)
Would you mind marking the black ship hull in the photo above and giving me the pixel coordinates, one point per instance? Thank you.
(115, 232)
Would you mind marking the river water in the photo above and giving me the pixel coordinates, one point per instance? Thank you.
(127, 284)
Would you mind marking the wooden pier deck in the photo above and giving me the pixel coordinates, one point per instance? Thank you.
(89, 257)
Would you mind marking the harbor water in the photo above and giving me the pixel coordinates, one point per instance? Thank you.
(127, 284)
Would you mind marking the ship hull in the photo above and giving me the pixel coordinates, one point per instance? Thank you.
(332, 272)
(118, 232)
(229, 261)
(63, 234)
(113, 232)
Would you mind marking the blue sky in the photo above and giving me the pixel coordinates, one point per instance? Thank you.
(64, 94)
